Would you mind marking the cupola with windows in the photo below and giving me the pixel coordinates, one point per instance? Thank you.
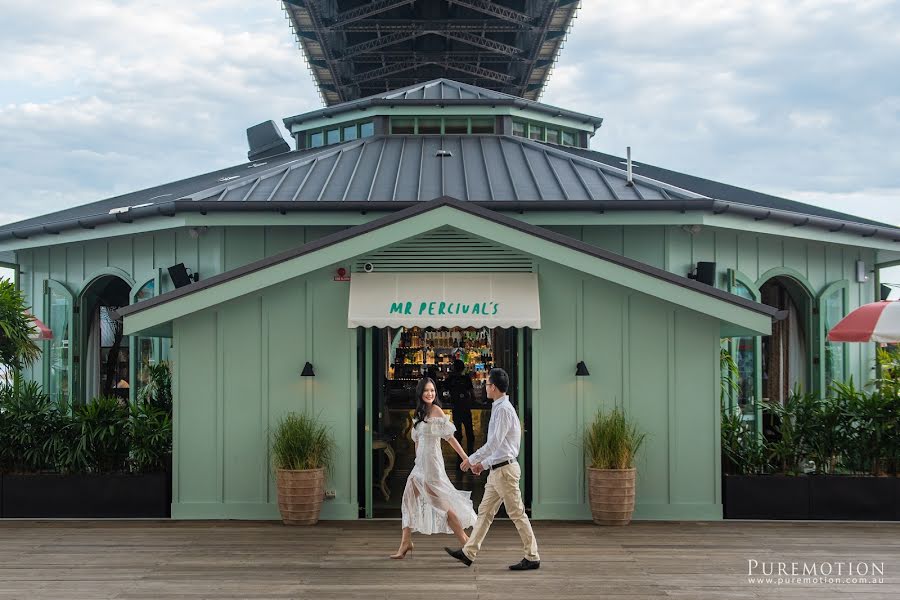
(442, 107)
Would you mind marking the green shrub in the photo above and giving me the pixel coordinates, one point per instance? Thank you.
(157, 391)
(744, 451)
(103, 436)
(150, 430)
(17, 350)
(611, 441)
(300, 442)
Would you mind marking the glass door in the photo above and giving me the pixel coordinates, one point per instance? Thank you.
(58, 359)
(459, 360)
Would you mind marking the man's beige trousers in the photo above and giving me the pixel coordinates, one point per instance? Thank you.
(502, 488)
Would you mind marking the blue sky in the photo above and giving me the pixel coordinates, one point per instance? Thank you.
(797, 98)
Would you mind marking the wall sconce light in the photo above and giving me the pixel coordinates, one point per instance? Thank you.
(307, 370)
(581, 369)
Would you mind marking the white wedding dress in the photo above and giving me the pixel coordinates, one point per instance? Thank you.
(429, 494)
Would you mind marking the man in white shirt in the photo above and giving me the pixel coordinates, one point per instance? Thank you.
(498, 457)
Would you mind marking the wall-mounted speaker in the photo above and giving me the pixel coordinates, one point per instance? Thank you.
(704, 273)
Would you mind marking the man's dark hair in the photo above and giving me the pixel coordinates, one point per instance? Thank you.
(499, 378)
(458, 366)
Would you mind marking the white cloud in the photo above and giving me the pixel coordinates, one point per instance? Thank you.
(791, 97)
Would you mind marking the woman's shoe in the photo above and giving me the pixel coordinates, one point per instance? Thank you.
(401, 553)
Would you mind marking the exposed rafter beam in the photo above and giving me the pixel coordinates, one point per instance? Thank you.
(400, 55)
(379, 42)
(489, 26)
(386, 71)
(401, 66)
(367, 47)
(475, 70)
(367, 10)
(495, 10)
(481, 42)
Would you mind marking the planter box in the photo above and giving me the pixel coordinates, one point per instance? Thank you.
(38, 496)
(856, 498)
(765, 497)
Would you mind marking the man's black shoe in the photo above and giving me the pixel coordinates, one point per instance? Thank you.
(525, 565)
(458, 555)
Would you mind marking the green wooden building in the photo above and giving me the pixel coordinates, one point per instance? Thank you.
(435, 222)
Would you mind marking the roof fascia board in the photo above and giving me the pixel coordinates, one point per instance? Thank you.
(619, 274)
(810, 232)
(430, 109)
(283, 271)
(547, 249)
(71, 236)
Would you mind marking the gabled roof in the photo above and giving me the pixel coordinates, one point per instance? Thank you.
(444, 92)
(483, 168)
(723, 191)
(738, 315)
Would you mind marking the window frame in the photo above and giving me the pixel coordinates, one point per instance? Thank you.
(843, 287)
(735, 277)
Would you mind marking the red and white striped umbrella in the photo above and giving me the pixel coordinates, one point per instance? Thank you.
(39, 331)
(875, 322)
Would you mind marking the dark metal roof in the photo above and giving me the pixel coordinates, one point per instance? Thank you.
(356, 48)
(468, 207)
(91, 212)
(444, 92)
(481, 168)
(723, 191)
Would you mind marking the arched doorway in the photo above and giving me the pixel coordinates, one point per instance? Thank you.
(104, 348)
(786, 353)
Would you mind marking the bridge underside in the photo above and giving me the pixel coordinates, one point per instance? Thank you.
(358, 48)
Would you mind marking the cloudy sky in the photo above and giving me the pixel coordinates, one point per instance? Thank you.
(799, 98)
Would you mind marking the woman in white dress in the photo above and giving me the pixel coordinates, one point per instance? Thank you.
(430, 502)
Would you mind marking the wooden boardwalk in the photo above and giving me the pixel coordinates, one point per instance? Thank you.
(132, 559)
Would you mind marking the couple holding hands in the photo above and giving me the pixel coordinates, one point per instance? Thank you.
(430, 502)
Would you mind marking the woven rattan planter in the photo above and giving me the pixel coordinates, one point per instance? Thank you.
(612, 495)
(300, 495)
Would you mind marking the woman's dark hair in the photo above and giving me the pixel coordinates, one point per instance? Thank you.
(421, 407)
(500, 379)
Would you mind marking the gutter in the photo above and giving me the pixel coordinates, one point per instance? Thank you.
(716, 207)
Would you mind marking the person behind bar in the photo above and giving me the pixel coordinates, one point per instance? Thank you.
(462, 394)
(498, 457)
(430, 502)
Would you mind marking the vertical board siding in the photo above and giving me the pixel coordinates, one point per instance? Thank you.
(244, 434)
(196, 425)
(653, 359)
(647, 402)
(554, 417)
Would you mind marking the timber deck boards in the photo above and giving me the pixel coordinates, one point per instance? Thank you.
(143, 559)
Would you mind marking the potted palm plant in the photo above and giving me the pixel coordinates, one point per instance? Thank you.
(302, 450)
(611, 443)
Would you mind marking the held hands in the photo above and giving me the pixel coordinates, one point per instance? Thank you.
(477, 468)
(465, 466)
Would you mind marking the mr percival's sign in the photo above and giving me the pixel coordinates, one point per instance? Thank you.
(436, 308)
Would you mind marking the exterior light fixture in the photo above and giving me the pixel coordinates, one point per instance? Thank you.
(307, 370)
(581, 369)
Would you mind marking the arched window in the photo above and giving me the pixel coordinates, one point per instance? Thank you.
(145, 351)
(746, 354)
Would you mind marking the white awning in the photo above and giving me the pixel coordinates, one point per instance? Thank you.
(444, 300)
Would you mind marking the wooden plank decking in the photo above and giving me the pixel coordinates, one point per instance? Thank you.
(131, 560)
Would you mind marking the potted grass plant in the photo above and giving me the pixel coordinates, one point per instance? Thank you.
(611, 443)
(302, 450)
